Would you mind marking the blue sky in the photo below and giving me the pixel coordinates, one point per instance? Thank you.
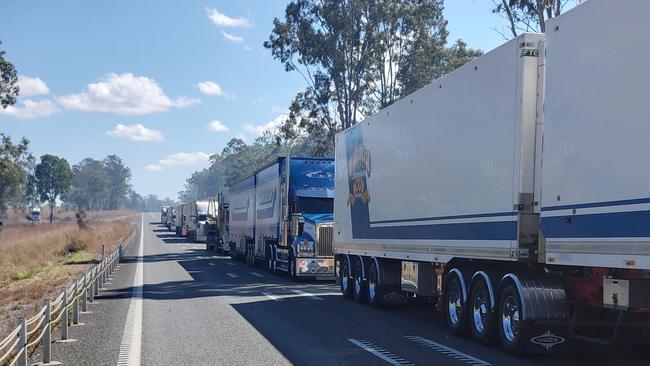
(147, 80)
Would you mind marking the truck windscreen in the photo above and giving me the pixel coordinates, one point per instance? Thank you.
(203, 217)
(312, 205)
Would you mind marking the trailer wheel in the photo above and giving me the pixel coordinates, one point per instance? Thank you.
(233, 252)
(375, 289)
(512, 328)
(454, 305)
(346, 279)
(482, 319)
(271, 261)
(360, 286)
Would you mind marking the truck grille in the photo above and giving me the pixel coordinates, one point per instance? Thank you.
(325, 239)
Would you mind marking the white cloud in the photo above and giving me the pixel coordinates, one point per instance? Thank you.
(153, 168)
(271, 126)
(212, 88)
(217, 126)
(32, 86)
(241, 136)
(135, 132)
(179, 159)
(232, 38)
(278, 109)
(125, 94)
(31, 109)
(223, 20)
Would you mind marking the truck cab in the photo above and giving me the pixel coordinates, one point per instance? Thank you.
(35, 216)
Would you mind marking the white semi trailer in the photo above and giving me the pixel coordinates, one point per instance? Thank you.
(198, 220)
(515, 190)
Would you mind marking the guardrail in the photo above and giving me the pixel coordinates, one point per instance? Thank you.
(59, 313)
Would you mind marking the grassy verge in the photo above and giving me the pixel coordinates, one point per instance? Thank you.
(36, 261)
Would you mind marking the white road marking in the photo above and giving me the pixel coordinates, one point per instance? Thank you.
(131, 345)
(448, 351)
(382, 353)
(212, 264)
(307, 294)
(271, 296)
(256, 274)
(230, 263)
(232, 275)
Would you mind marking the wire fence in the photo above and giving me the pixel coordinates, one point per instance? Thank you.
(60, 313)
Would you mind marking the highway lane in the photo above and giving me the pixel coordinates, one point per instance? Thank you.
(203, 309)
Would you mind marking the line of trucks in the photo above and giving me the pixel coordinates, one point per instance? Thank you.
(513, 192)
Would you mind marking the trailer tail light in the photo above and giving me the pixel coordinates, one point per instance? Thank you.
(630, 262)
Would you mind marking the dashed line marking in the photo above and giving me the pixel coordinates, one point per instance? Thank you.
(380, 352)
(448, 351)
(271, 296)
(212, 264)
(230, 263)
(256, 274)
(307, 294)
(232, 275)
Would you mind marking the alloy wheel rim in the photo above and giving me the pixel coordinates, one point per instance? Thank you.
(480, 312)
(510, 319)
(454, 305)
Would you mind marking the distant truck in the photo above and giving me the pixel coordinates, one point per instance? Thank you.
(515, 190)
(164, 213)
(179, 221)
(35, 215)
(218, 224)
(198, 221)
(282, 216)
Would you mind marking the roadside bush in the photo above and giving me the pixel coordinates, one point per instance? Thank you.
(76, 241)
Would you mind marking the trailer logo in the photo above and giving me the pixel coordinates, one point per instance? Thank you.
(360, 168)
(547, 340)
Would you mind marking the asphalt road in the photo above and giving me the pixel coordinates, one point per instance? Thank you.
(195, 308)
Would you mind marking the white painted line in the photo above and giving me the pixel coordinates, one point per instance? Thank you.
(212, 264)
(271, 296)
(256, 274)
(382, 353)
(232, 275)
(307, 294)
(448, 351)
(230, 263)
(131, 345)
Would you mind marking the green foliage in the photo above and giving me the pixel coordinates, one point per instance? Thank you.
(90, 185)
(118, 176)
(9, 88)
(53, 177)
(15, 161)
(529, 15)
(358, 56)
(82, 224)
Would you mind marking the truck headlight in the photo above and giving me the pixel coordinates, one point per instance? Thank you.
(306, 248)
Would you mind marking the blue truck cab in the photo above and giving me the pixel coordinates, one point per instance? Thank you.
(282, 216)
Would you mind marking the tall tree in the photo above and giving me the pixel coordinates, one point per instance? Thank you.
(358, 56)
(90, 185)
(529, 15)
(9, 87)
(119, 177)
(15, 161)
(53, 176)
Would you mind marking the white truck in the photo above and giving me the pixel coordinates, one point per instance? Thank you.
(218, 227)
(198, 221)
(515, 190)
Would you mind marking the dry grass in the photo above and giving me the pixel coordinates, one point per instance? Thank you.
(36, 261)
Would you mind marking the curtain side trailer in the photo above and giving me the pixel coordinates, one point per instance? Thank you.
(515, 190)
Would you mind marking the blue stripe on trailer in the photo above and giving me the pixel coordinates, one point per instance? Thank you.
(436, 218)
(630, 224)
(635, 201)
(499, 230)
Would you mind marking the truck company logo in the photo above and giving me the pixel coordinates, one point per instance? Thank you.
(267, 197)
(318, 174)
(359, 168)
(547, 340)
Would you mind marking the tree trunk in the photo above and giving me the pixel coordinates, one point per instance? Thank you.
(51, 213)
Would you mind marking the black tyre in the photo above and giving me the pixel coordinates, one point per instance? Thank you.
(360, 285)
(375, 288)
(233, 253)
(271, 265)
(293, 274)
(482, 321)
(455, 307)
(512, 329)
(346, 279)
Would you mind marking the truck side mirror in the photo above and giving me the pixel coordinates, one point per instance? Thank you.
(301, 227)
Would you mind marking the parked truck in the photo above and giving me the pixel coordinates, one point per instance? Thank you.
(218, 229)
(179, 224)
(198, 220)
(515, 190)
(164, 214)
(282, 216)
